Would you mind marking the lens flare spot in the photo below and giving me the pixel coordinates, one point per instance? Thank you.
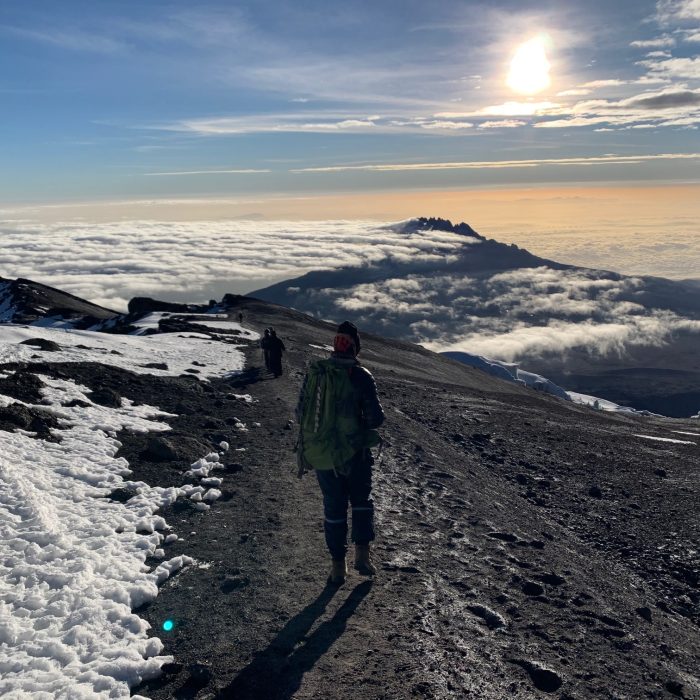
(168, 625)
(529, 68)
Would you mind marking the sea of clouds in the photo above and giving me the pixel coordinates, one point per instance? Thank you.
(109, 263)
(509, 315)
(526, 312)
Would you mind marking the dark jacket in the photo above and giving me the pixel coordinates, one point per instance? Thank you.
(275, 345)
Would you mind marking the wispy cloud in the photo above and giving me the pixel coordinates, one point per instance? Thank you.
(502, 124)
(506, 109)
(670, 11)
(72, 40)
(674, 68)
(311, 122)
(669, 99)
(662, 42)
(243, 171)
(654, 108)
(444, 124)
(478, 165)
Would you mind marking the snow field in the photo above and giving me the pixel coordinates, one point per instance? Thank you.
(663, 439)
(510, 372)
(72, 563)
(130, 352)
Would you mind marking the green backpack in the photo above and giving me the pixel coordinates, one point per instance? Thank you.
(330, 427)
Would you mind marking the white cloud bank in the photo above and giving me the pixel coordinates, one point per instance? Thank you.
(511, 315)
(110, 263)
(504, 315)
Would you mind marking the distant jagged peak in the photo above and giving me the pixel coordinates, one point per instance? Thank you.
(433, 223)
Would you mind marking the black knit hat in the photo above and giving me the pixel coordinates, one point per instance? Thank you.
(347, 328)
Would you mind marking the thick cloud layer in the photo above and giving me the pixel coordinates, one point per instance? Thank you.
(110, 263)
(447, 291)
(529, 312)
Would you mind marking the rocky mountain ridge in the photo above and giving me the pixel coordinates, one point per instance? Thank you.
(25, 301)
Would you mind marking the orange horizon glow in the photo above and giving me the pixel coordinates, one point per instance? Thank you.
(479, 207)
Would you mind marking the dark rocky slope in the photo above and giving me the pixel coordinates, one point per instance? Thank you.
(26, 301)
(528, 548)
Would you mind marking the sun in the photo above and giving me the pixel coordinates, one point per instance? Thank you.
(529, 68)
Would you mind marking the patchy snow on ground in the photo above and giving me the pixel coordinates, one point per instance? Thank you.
(176, 350)
(683, 432)
(215, 321)
(233, 326)
(246, 398)
(72, 561)
(150, 322)
(664, 439)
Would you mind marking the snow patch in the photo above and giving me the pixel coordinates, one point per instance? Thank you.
(72, 562)
(130, 352)
(663, 439)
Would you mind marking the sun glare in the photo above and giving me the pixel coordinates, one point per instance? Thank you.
(529, 68)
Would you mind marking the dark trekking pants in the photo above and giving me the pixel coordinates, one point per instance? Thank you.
(275, 363)
(337, 491)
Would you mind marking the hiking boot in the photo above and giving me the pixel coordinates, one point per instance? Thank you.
(339, 570)
(363, 560)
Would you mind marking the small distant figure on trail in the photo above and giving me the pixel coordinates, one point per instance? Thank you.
(265, 347)
(338, 413)
(275, 349)
(240, 318)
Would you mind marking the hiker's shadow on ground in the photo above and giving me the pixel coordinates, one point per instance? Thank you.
(276, 672)
(251, 375)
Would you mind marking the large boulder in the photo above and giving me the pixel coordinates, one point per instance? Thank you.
(146, 305)
(42, 344)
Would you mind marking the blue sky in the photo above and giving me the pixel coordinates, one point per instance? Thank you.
(125, 99)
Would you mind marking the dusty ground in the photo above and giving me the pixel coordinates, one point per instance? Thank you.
(528, 548)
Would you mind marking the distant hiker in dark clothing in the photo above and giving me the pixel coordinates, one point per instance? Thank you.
(265, 346)
(240, 318)
(338, 413)
(275, 349)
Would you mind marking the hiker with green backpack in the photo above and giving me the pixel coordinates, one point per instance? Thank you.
(338, 414)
